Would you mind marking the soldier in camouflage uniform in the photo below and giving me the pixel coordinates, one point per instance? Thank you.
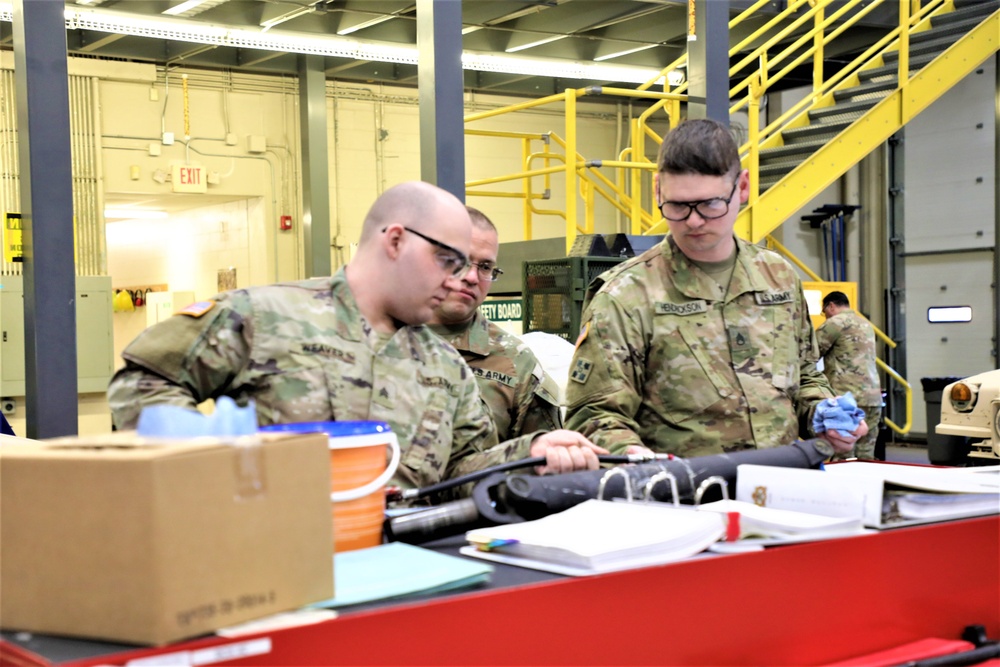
(847, 345)
(344, 348)
(702, 344)
(521, 396)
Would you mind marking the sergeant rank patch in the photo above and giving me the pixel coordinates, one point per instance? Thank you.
(581, 370)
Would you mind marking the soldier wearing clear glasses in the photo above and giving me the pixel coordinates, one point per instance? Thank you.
(348, 347)
(521, 396)
(702, 344)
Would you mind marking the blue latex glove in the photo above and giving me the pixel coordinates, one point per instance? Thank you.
(841, 414)
(172, 421)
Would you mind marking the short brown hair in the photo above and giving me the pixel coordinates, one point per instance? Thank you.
(480, 220)
(699, 146)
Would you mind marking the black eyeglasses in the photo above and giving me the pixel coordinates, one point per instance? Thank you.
(488, 271)
(450, 259)
(708, 209)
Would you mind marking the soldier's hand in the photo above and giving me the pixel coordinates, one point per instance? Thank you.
(565, 451)
(843, 444)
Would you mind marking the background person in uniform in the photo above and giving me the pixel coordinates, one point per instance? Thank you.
(346, 347)
(521, 397)
(847, 344)
(702, 344)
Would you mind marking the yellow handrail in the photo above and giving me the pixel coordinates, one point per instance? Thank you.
(905, 428)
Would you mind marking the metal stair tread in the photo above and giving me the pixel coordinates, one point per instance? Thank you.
(935, 46)
(779, 168)
(864, 89)
(790, 149)
(828, 113)
(797, 134)
(892, 70)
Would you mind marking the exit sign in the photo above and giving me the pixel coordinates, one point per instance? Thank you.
(189, 178)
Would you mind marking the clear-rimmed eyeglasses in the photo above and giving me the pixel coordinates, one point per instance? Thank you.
(488, 271)
(450, 259)
(708, 209)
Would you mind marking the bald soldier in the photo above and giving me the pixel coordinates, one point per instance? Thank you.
(347, 347)
(702, 344)
(521, 396)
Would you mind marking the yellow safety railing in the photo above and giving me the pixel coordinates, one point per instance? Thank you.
(580, 174)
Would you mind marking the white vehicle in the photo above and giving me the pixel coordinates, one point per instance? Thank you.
(971, 408)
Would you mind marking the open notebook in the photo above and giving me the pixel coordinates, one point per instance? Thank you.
(599, 536)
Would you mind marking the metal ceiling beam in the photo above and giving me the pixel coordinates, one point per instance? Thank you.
(100, 43)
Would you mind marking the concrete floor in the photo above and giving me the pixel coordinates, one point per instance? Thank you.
(906, 454)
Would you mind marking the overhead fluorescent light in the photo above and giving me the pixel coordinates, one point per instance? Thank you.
(163, 27)
(365, 24)
(183, 7)
(533, 43)
(134, 214)
(294, 14)
(624, 52)
(556, 67)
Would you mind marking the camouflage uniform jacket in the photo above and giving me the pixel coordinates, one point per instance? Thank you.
(521, 396)
(303, 352)
(668, 359)
(847, 344)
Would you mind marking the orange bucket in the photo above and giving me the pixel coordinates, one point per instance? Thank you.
(358, 475)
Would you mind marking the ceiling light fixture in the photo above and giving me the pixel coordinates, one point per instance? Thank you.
(169, 28)
(624, 52)
(184, 7)
(365, 24)
(534, 43)
(556, 68)
(134, 214)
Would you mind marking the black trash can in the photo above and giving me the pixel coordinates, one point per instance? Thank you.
(942, 450)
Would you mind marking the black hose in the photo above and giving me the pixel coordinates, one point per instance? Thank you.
(411, 494)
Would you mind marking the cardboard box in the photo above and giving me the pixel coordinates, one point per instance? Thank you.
(148, 542)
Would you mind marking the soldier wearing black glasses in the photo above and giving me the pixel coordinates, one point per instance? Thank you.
(703, 344)
(346, 347)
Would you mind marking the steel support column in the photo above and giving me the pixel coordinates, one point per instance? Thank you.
(44, 159)
(708, 62)
(315, 168)
(896, 299)
(442, 129)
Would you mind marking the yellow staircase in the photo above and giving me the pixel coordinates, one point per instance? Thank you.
(796, 158)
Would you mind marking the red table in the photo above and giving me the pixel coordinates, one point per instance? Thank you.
(799, 604)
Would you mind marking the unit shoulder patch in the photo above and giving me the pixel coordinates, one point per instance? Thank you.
(581, 370)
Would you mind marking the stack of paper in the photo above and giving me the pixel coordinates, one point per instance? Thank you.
(775, 526)
(599, 536)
